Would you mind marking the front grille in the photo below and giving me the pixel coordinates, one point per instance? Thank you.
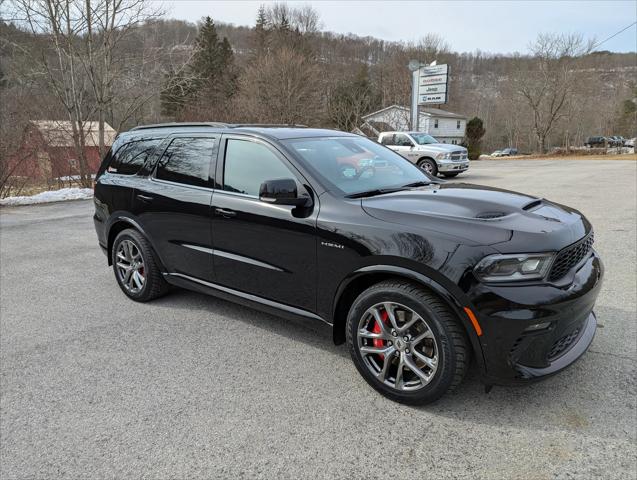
(570, 257)
(458, 155)
(562, 344)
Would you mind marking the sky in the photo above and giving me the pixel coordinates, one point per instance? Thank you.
(489, 26)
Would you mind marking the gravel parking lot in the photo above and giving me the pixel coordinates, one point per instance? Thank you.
(94, 385)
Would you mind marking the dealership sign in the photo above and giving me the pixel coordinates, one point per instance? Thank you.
(433, 81)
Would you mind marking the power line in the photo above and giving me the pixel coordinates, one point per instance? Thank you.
(613, 36)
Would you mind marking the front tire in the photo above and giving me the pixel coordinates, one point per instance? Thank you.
(406, 342)
(428, 166)
(136, 268)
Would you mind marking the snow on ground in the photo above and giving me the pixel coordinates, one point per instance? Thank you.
(50, 196)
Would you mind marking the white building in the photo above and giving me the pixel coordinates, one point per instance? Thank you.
(445, 126)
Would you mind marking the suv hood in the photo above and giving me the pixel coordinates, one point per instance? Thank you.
(508, 221)
(440, 147)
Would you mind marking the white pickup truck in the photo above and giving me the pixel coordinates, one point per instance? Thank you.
(425, 151)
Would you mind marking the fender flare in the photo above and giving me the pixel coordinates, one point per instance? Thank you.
(455, 303)
(121, 217)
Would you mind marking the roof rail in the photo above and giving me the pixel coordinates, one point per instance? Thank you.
(182, 124)
(266, 125)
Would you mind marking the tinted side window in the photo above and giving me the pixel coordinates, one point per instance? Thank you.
(130, 158)
(248, 165)
(187, 161)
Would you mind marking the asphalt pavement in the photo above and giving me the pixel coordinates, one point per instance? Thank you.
(93, 385)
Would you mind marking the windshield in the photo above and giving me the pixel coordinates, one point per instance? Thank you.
(422, 138)
(356, 164)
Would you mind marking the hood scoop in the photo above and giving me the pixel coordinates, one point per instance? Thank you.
(533, 204)
(490, 215)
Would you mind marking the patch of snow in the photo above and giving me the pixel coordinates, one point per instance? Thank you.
(50, 196)
(71, 177)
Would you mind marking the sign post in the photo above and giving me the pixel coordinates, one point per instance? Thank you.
(414, 67)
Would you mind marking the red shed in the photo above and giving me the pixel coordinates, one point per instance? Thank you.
(48, 151)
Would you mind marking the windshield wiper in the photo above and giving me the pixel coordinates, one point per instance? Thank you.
(416, 184)
(381, 191)
(374, 192)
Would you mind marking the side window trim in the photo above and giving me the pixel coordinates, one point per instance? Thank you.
(163, 146)
(221, 162)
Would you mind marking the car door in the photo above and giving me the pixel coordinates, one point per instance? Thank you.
(403, 145)
(262, 248)
(173, 204)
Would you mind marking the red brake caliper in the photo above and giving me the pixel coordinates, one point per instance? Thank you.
(377, 342)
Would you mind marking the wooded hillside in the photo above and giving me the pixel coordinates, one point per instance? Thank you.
(134, 66)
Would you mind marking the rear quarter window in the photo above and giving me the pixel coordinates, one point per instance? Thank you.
(130, 158)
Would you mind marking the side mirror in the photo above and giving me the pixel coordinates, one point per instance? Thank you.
(282, 192)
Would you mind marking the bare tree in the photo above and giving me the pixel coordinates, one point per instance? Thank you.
(548, 82)
(81, 64)
(108, 23)
(306, 19)
(281, 87)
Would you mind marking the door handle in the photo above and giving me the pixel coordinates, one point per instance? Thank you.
(225, 212)
(145, 198)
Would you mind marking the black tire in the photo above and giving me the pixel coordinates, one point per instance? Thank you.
(453, 350)
(426, 163)
(451, 175)
(154, 285)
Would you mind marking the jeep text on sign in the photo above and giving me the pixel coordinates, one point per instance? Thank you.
(429, 89)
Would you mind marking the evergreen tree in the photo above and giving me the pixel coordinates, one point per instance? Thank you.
(261, 33)
(207, 61)
(474, 133)
(213, 77)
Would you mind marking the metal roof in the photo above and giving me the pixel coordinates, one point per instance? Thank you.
(59, 133)
(432, 112)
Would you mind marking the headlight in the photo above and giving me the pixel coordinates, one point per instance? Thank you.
(442, 156)
(516, 267)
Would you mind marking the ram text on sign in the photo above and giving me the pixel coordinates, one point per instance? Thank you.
(432, 98)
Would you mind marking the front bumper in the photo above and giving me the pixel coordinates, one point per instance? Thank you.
(451, 166)
(533, 331)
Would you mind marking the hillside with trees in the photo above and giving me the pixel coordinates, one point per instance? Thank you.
(84, 60)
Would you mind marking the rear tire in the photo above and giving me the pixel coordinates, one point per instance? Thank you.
(435, 343)
(136, 267)
(428, 166)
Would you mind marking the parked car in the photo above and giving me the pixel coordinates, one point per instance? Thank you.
(630, 142)
(616, 141)
(596, 142)
(427, 153)
(507, 152)
(419, 277)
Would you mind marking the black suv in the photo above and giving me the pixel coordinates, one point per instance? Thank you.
(596, 142)
(418, 276)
